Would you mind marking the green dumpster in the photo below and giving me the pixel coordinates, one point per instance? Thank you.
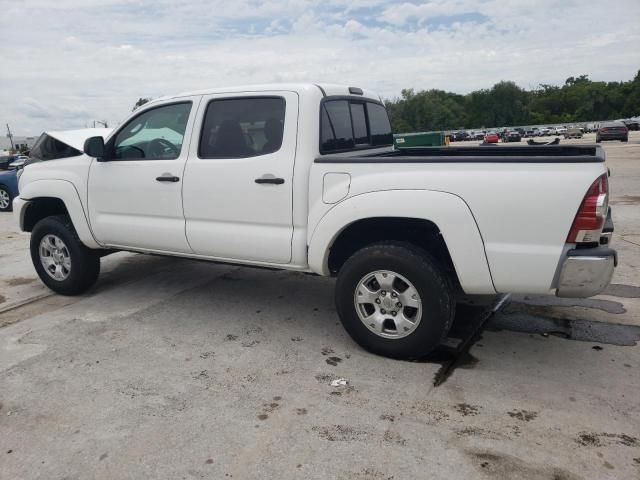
(419, 139)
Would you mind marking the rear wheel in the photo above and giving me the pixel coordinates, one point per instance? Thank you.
(5, 199)
(62, 261)
(394, 300)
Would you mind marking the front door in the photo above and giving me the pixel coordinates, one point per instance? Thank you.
(238, 183)
(135, 194)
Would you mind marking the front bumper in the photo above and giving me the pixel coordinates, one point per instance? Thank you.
(586, 272)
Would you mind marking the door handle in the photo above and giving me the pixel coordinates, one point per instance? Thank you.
(167, 178)
(269, 178)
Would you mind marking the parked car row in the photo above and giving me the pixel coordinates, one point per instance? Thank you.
(544, 131)
(510, 134)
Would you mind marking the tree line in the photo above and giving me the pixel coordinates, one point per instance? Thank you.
(579, 100)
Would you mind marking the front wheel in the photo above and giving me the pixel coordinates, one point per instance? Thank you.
(394, 300)
(62, 261)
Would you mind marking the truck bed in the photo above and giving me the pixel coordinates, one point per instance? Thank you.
(479, 154)
(522, 198)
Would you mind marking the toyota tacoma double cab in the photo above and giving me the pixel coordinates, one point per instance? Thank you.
(304, 177)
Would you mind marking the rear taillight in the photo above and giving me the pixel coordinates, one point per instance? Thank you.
(588, 223)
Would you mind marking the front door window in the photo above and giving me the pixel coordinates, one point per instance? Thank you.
(155, 134)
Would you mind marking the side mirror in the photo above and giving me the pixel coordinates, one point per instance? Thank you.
(94, 147)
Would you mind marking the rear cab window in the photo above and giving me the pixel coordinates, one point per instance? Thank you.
(353, 124)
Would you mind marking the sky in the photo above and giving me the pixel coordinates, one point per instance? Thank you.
(66, 63)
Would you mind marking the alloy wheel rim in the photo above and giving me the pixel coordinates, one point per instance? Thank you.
(388, 304)
(55, 257)
(4, 198)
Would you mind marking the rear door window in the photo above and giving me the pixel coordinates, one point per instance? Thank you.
(242, 127)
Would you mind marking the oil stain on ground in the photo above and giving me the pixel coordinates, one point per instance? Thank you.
(547, 301)
(467, 410)
(590, 439)
(520, 317)
(524, 415)
(623, 291)
(340, 433)
(500, 465)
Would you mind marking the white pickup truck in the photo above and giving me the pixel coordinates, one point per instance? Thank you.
(304, 177)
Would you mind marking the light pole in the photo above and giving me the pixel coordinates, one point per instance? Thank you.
(10, 135)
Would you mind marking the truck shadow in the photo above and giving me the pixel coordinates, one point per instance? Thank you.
(263, 309)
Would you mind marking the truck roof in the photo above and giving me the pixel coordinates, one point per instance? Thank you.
(324, 89)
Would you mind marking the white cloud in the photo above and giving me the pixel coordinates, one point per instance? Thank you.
(68, 62)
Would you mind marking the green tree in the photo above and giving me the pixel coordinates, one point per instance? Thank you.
(579, 99)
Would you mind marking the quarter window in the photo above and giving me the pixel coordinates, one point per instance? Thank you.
(358, 117)
(242, 127)
(353, 124)
(379, 125)
(336, 126)
(156, 134)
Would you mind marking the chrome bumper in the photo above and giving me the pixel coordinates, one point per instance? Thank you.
(586, 272)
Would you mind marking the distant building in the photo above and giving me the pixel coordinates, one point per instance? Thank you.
(19, 143)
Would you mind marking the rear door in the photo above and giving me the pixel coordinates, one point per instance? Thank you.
(238, 184)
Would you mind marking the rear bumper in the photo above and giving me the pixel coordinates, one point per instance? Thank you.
(586, 272)
(613, 136)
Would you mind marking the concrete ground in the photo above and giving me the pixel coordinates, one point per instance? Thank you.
(174, 369)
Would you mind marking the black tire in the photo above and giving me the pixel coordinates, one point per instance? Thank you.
(85, 263)
(624, 140)
(433, 286)
(9, 207)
